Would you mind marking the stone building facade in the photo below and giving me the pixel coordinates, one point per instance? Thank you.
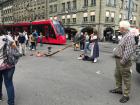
(14, 11)
(7, 12)
(29, 10)
(98, 14)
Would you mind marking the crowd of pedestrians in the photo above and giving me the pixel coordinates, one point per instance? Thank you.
(25, 40)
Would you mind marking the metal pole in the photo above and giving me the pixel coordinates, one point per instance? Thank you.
(129, 9)
(100, 16)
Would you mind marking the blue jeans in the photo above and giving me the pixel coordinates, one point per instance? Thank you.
(33, 46)
(7, 75)
(86, 47)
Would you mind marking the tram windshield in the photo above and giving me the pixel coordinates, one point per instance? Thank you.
(58, 27)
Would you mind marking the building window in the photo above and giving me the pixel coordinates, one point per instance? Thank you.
(134, 18)
(74, 18)
(135, 6)
(43, 17)
(107, 16)
(63, 21)
(74, 4)
(55, 8)
(121, 4)
(112, 16)
(68, 5)
(85, 17)
(120, 17)
(51, 8)
(85, 3)
(111, 3)
(93, 2)
(126, 5)
(92, 16)
(63, 7)
(68, 21)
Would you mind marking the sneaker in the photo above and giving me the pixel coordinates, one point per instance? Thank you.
(95, 60)
(124, 99)
(116, 91)
(79, 58)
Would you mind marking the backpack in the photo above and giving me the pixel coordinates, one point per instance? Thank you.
(10, 56)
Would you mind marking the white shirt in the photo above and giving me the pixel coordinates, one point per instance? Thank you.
(25, 34)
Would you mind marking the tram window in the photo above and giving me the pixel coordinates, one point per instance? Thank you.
(51, 32)
(38, 28)
(58, 27)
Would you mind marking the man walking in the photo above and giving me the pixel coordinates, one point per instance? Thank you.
(22, 45)
(123, 53)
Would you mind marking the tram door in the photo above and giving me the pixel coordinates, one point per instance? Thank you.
(50, 34)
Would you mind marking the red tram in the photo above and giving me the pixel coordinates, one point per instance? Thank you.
(53, 31)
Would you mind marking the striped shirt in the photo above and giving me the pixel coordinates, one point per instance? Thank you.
(125, 48)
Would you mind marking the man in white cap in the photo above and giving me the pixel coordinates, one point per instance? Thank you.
(123, 53)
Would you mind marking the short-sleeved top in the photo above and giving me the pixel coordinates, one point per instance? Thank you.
(2, 43)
